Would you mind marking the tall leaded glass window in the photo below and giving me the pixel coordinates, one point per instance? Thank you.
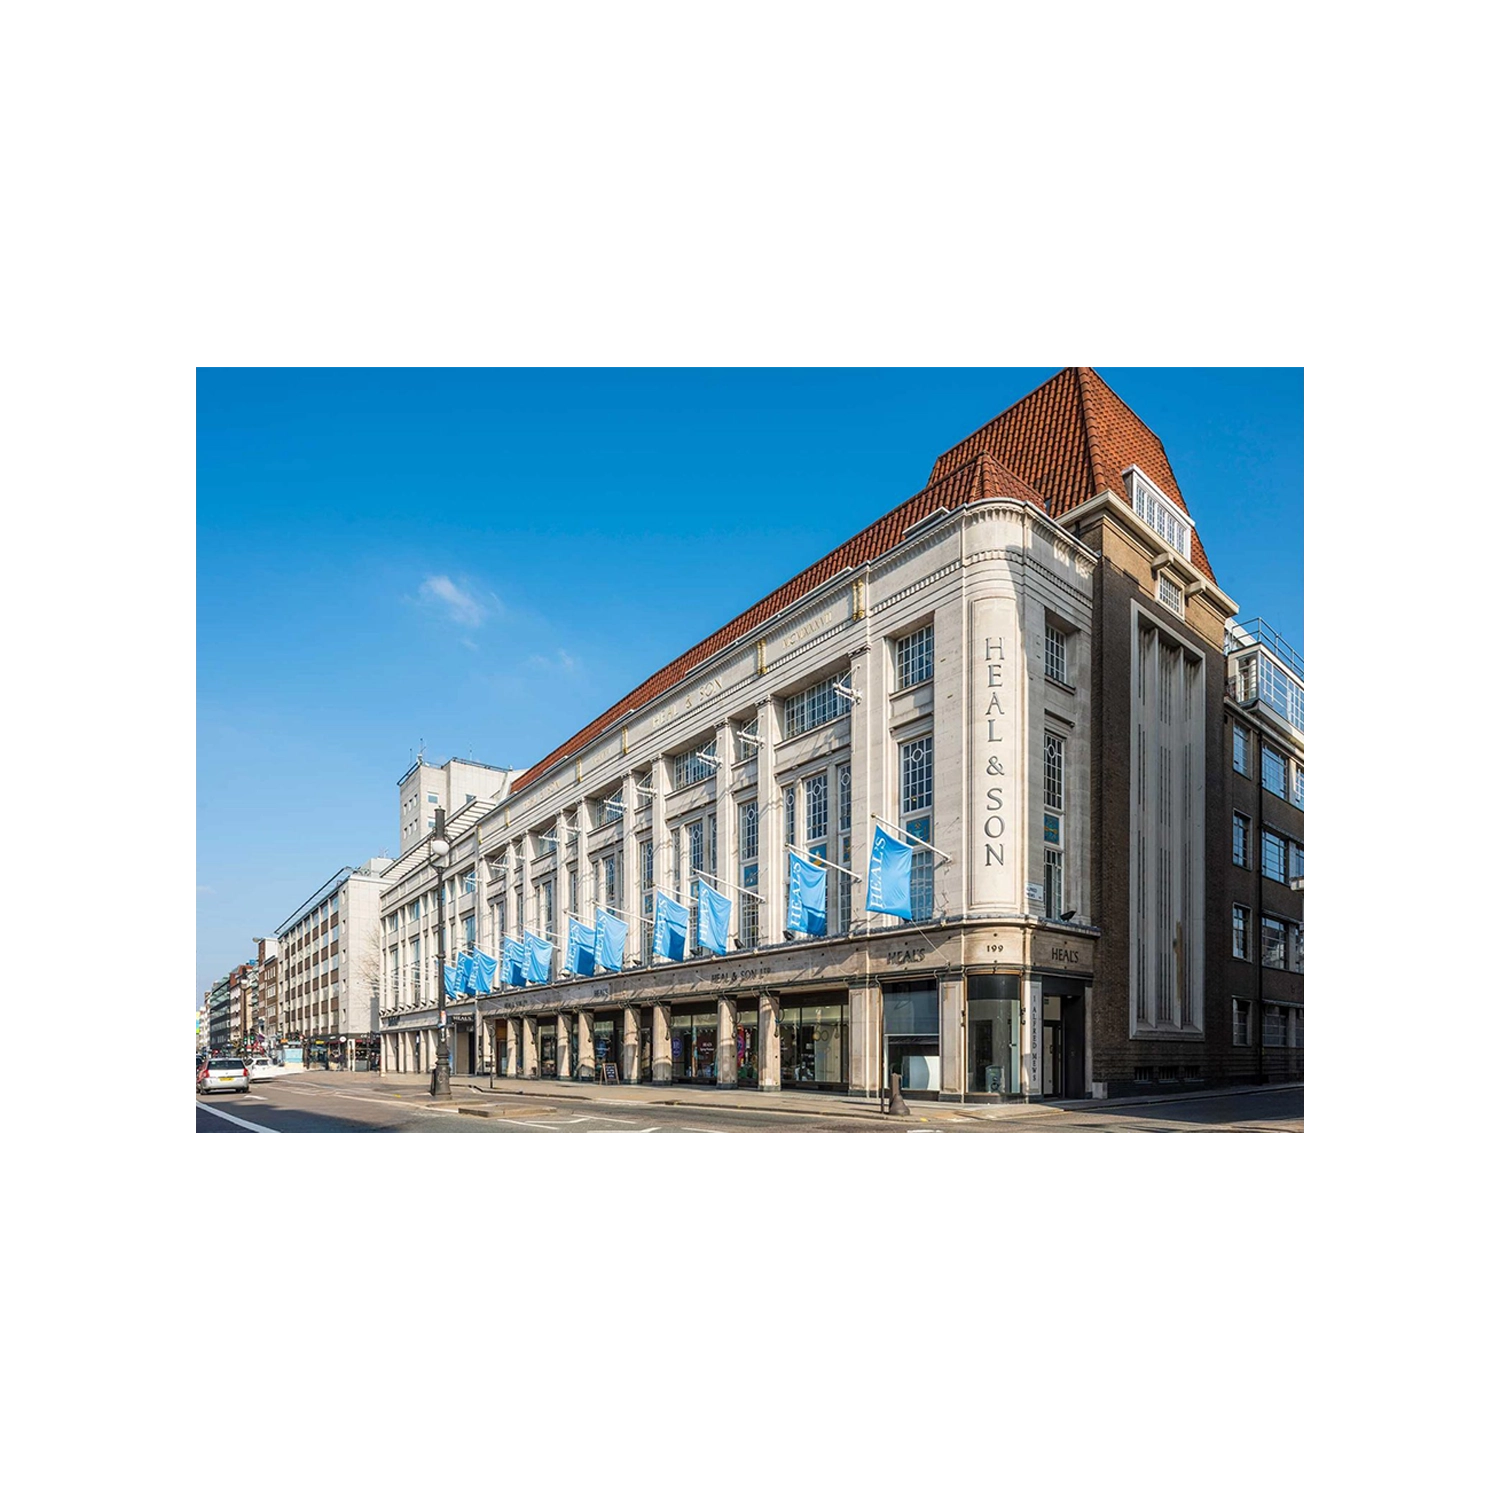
(1054, 772)
(789, 802)
(611, 893)
(815, 789)
(648, 880)
(816, 705)
(1296, 785)
(914, 658)
(1057, 654)
(695, 849)
(712, 823)
(916, 819)
(749, 830)
(1242, 932)
(1241, 749)
(690, 767)
(749, 906)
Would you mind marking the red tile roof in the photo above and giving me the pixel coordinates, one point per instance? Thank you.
(1063, 444)
(1073, 437)
(978, 478)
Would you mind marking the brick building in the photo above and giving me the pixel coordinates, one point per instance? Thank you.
(1022, 669)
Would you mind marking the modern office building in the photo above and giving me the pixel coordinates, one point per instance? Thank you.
(1019, 671)
(453, 785)
(328, 969)
(1265, 749)
(243, 994)
(217, 1001)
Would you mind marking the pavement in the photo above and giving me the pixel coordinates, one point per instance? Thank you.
(473, 1090)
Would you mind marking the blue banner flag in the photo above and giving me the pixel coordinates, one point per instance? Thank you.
(580, 959)
(609, 944)
(450, 981)
(889, 889)
(465, 967)
(515, 962)
(671, 928)
(482, 978)
(807, 898)
(538, 959)
(713, 919)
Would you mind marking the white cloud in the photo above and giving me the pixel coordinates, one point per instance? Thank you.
(558, 661)
(462, 607)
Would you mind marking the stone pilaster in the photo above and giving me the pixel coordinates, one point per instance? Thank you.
(564, 1047)
(770, 1041)
(726, 1070)
(866, 1039)
(531, 1061)
(630, 1045)
(585, 1062)
(951, 1036)
(661, 1044)
(772, 828)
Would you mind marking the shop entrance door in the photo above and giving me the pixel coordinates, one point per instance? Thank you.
(1062, 1046)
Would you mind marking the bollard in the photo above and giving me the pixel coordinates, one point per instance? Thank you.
(898, 1105)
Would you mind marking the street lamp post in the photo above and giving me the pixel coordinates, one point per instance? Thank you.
(438, 851)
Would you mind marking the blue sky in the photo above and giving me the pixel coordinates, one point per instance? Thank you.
(481, 561)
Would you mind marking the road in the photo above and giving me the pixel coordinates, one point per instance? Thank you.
(355, 1103)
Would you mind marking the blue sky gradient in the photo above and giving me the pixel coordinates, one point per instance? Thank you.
(481, 561)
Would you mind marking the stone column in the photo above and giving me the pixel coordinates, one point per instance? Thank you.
(531, 1067)
(769, 1026)
(1095, 1091)
(630, 868)
(585, 1046)
(630, 1045)
(726, 1071)
(869, 762)
(661, 1044)
(661, 779)
(772, 824)
(513, 1030)
(866, 1035)
(951, 1036)
(564, 1047)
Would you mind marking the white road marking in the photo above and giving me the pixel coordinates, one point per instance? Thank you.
(648, 1130)
(530, 1124)
(235, 1120)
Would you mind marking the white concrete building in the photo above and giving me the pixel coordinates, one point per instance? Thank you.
(453, 786)
(1020, 671)
(329, 968)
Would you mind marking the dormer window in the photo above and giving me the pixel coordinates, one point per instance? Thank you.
(1164, 518)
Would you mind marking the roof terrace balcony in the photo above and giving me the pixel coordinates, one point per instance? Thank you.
(1264, 672)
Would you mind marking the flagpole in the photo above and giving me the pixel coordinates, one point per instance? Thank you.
(827, 864)
(716, 880)
(897, 829)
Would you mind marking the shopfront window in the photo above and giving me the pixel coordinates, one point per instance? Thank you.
(547, 1047)
(747, 1048)
(606, 1043)
(695, 1044)
(815, 1045)
(911, 1035)
(995, 1034)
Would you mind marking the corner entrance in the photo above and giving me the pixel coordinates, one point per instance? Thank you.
(1062, 1043)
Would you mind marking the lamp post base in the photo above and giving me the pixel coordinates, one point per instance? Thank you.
(441, 1085)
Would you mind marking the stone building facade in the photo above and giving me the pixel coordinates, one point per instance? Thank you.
(1022, 670)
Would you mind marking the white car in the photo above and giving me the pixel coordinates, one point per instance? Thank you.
(224, 1075)
(264, 1067)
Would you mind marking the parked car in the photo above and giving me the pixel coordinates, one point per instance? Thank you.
(264, 1067)
(224, 1075)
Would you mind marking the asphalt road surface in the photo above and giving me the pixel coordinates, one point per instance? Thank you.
(351, 1102)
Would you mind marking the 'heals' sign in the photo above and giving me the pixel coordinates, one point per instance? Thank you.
(995, 760)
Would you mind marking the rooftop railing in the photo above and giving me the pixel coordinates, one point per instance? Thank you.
(1241, 633)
